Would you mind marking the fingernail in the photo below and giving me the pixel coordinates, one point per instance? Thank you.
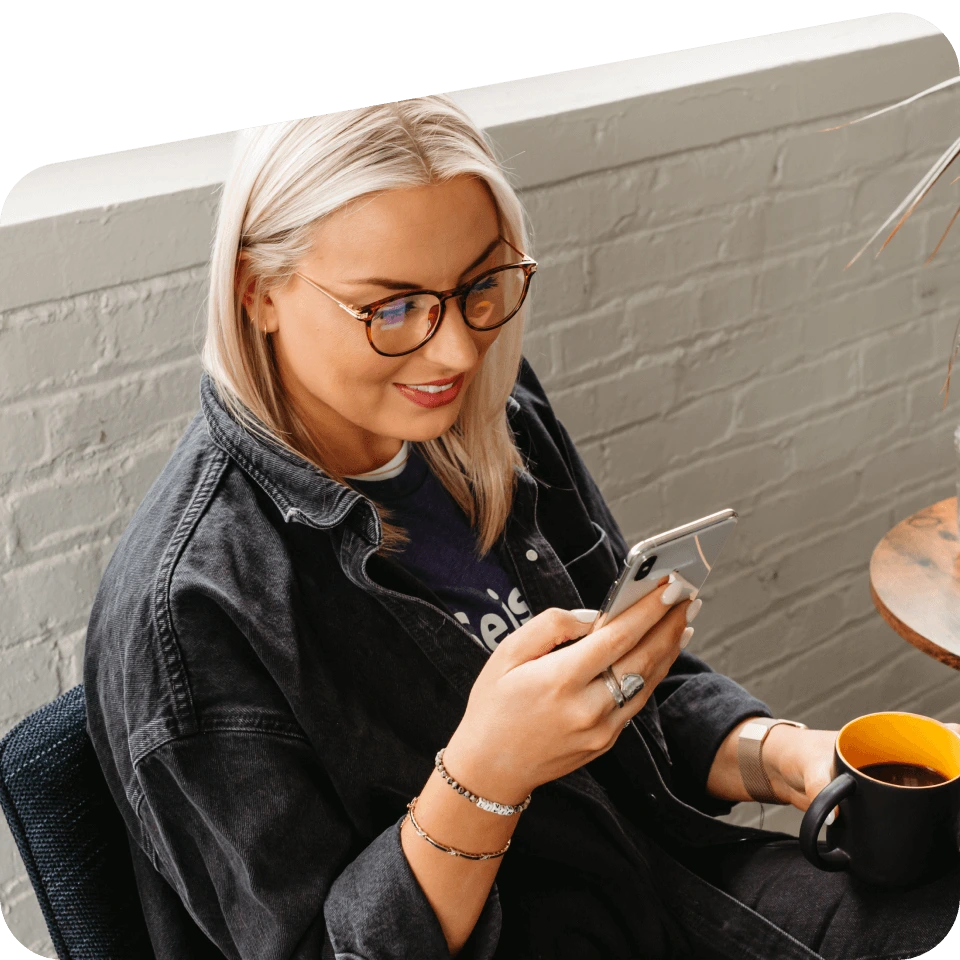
(693, 610)
(831, 816)
(685, 637)
(672, 594)
(584, 615)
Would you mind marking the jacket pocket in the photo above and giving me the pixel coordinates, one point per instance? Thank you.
(596, 562)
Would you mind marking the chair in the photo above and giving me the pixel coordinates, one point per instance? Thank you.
(70, 835)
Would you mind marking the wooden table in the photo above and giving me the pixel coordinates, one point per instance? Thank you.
(915, 581)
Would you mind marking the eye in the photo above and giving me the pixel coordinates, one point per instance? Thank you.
(393, 314)
(486, 283)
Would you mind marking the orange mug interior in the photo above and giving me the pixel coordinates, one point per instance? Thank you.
(900, 738)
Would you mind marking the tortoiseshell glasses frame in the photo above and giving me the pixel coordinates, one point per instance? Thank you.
(366, 313)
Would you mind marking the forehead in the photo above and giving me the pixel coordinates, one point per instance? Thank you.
(425, 234)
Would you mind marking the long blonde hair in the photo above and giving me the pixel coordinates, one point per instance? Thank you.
(287, 177)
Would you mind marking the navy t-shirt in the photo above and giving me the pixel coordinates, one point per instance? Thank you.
(441, 551)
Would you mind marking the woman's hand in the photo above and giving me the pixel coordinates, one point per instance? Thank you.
(536, 713)
(799, 763)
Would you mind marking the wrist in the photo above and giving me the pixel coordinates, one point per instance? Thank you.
(483, 774)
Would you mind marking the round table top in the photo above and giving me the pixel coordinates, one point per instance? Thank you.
(915, 580)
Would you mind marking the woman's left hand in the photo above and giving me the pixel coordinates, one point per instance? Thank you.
(799, 763)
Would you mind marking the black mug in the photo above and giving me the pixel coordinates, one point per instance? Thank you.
(897, 784)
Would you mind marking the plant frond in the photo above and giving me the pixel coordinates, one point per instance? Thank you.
(917, 193)
(876, 113)
(945, 389)
(943, 237)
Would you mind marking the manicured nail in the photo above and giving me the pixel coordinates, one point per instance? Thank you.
(584, 615)
(672, 594)
(831, 816)
(685, 637)
(693, 610)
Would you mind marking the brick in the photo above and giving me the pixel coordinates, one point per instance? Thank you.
(50, 594)
(842, 549)
(23, 438)
(799, 219)
(644, 451)
(842, 435)
(158, 319)
(793, 513)
(895, 466)
(640, 512)
(720, 175)
(850, 316)
(140, 469)
(105, 414)
(70, 657)
(60, 346)
(731, 357)
(561, 287)
(67, 507)
(589, 208)
(32, 670)
(598, 342)
(798, 392)
(723, 481)
(896, 354)
(811, 156)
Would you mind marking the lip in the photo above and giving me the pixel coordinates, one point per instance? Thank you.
(435, 383)
(433, 399)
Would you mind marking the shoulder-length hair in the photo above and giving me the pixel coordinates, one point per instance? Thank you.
(285, 179)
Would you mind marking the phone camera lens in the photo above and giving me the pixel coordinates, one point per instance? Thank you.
(645, 567)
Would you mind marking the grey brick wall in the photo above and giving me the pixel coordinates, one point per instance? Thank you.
(692, 322)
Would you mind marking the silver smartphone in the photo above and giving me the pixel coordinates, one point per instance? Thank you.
(689, 551)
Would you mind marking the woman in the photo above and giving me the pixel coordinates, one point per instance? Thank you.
(365, 548)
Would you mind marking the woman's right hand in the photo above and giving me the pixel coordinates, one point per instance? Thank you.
(536, 713)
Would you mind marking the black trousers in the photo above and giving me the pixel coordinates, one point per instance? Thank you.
(833, 914)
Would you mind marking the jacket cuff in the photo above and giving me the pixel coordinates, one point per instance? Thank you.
(376, 910)
(696, 718)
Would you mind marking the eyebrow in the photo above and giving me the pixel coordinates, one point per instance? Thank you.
(403, 285)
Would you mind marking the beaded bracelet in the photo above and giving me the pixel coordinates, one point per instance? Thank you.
(453, 851)
(491, 806)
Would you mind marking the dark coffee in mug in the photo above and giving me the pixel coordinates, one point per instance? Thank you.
(897, 785)
(904, 774)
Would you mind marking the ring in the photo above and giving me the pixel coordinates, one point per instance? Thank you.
(631, 684)
(611, 681)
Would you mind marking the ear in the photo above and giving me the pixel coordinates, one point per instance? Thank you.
(261, 310)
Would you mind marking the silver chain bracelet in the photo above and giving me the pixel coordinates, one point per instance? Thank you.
(491, 806)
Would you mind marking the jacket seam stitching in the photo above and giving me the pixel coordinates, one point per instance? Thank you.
(163, 615)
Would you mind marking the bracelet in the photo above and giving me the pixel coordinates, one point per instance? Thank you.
(451, 850)
(491, 806)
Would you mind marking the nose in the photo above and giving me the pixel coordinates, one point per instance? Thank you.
(454, 345)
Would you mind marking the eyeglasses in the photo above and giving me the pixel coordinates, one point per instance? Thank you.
(399, 325)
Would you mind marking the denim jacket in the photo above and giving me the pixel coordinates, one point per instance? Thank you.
(265, 693)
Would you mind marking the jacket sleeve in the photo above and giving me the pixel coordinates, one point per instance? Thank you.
(245, 826)
(697, 707)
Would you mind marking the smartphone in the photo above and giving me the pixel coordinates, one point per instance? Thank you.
(689, 552)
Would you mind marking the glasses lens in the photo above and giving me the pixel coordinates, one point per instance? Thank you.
(494, 297)
(402, 324)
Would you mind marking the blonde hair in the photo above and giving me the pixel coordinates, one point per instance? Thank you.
(287, 177)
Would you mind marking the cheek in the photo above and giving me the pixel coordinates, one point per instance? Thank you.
(331, 359)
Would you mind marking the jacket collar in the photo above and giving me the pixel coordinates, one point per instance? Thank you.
(299, 490)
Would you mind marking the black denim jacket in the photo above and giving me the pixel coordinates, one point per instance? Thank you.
(265, 693)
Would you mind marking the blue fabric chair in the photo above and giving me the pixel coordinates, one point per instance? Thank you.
(71, 836)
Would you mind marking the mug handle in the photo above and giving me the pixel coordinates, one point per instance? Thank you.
(835, 791)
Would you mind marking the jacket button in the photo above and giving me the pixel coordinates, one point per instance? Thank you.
(531, 554)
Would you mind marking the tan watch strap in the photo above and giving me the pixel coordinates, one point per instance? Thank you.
(750, 757)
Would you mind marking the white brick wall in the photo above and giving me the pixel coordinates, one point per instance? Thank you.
(692, 323)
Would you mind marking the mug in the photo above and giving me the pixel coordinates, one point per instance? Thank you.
(890, 831)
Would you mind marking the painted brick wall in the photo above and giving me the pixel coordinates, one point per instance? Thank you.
(695, 328)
